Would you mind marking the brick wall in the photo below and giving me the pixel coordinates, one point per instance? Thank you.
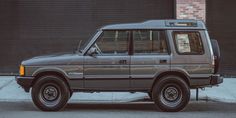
(191, 9)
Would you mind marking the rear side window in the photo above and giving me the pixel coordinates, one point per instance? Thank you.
(188, 42)
(149, 42)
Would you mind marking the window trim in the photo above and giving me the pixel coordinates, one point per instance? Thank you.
(188, 53)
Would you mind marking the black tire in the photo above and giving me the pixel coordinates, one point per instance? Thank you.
(50, 93)
(216, 51)
(171, 93)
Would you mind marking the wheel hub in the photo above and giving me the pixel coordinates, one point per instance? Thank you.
(50, 93)
(171, 93)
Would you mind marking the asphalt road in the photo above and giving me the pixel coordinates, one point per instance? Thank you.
(122, 110)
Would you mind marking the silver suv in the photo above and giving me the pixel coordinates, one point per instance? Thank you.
(164, 58)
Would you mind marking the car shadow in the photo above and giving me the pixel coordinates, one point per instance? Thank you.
(111, 106)
(193, 106)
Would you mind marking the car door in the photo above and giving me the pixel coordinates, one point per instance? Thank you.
(150, 57)
(108, 68)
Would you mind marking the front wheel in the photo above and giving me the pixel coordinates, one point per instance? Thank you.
(171, 93)
(50, 93)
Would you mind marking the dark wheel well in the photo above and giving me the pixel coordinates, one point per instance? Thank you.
(51, 73)
(179, 74)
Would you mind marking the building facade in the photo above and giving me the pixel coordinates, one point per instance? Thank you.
(191, 9)
(37, 27)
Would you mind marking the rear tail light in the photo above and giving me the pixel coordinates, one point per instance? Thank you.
(213, 61)
(213, 64)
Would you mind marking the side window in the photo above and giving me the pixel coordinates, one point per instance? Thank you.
(188, 42)
(112, 43)
(149, 42)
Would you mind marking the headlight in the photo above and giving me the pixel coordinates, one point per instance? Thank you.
(22, 70)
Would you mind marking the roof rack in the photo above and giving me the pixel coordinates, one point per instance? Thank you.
(159, 24)
(182, 23)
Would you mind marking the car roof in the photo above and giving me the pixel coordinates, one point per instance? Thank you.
(159, 24)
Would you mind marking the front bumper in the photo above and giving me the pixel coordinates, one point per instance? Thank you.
(24, 82)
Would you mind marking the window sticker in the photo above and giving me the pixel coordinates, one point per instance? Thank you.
(183, 44)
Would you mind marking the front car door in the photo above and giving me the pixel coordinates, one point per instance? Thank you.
(108, 68)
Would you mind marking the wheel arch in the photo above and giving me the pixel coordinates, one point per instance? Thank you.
(55, 73)
(182, 75)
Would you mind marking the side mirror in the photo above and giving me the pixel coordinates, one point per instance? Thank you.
(92, 51)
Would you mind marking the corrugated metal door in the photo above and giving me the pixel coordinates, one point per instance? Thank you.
(35, 27)
(221, 23)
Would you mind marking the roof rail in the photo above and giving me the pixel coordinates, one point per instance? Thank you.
(181, 23)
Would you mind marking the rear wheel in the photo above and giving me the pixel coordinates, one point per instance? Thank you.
(50, 93)
(171, 93)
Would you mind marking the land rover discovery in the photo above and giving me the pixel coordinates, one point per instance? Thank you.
(164, 58)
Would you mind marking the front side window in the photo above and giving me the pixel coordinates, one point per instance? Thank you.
(188, 42)
(112, 43)
(149, 42)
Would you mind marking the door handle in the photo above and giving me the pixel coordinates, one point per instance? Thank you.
(163, 61)
(123, 62)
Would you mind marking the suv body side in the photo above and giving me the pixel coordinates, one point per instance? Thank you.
(127, 72)
(164, 58)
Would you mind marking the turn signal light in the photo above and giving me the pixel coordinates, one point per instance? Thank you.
(22, 70)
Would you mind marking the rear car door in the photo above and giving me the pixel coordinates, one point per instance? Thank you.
(150, 57)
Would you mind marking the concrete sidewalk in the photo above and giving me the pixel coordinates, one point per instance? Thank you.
(11, 91)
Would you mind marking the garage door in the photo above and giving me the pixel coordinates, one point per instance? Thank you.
(221, 22)
(35, 27)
